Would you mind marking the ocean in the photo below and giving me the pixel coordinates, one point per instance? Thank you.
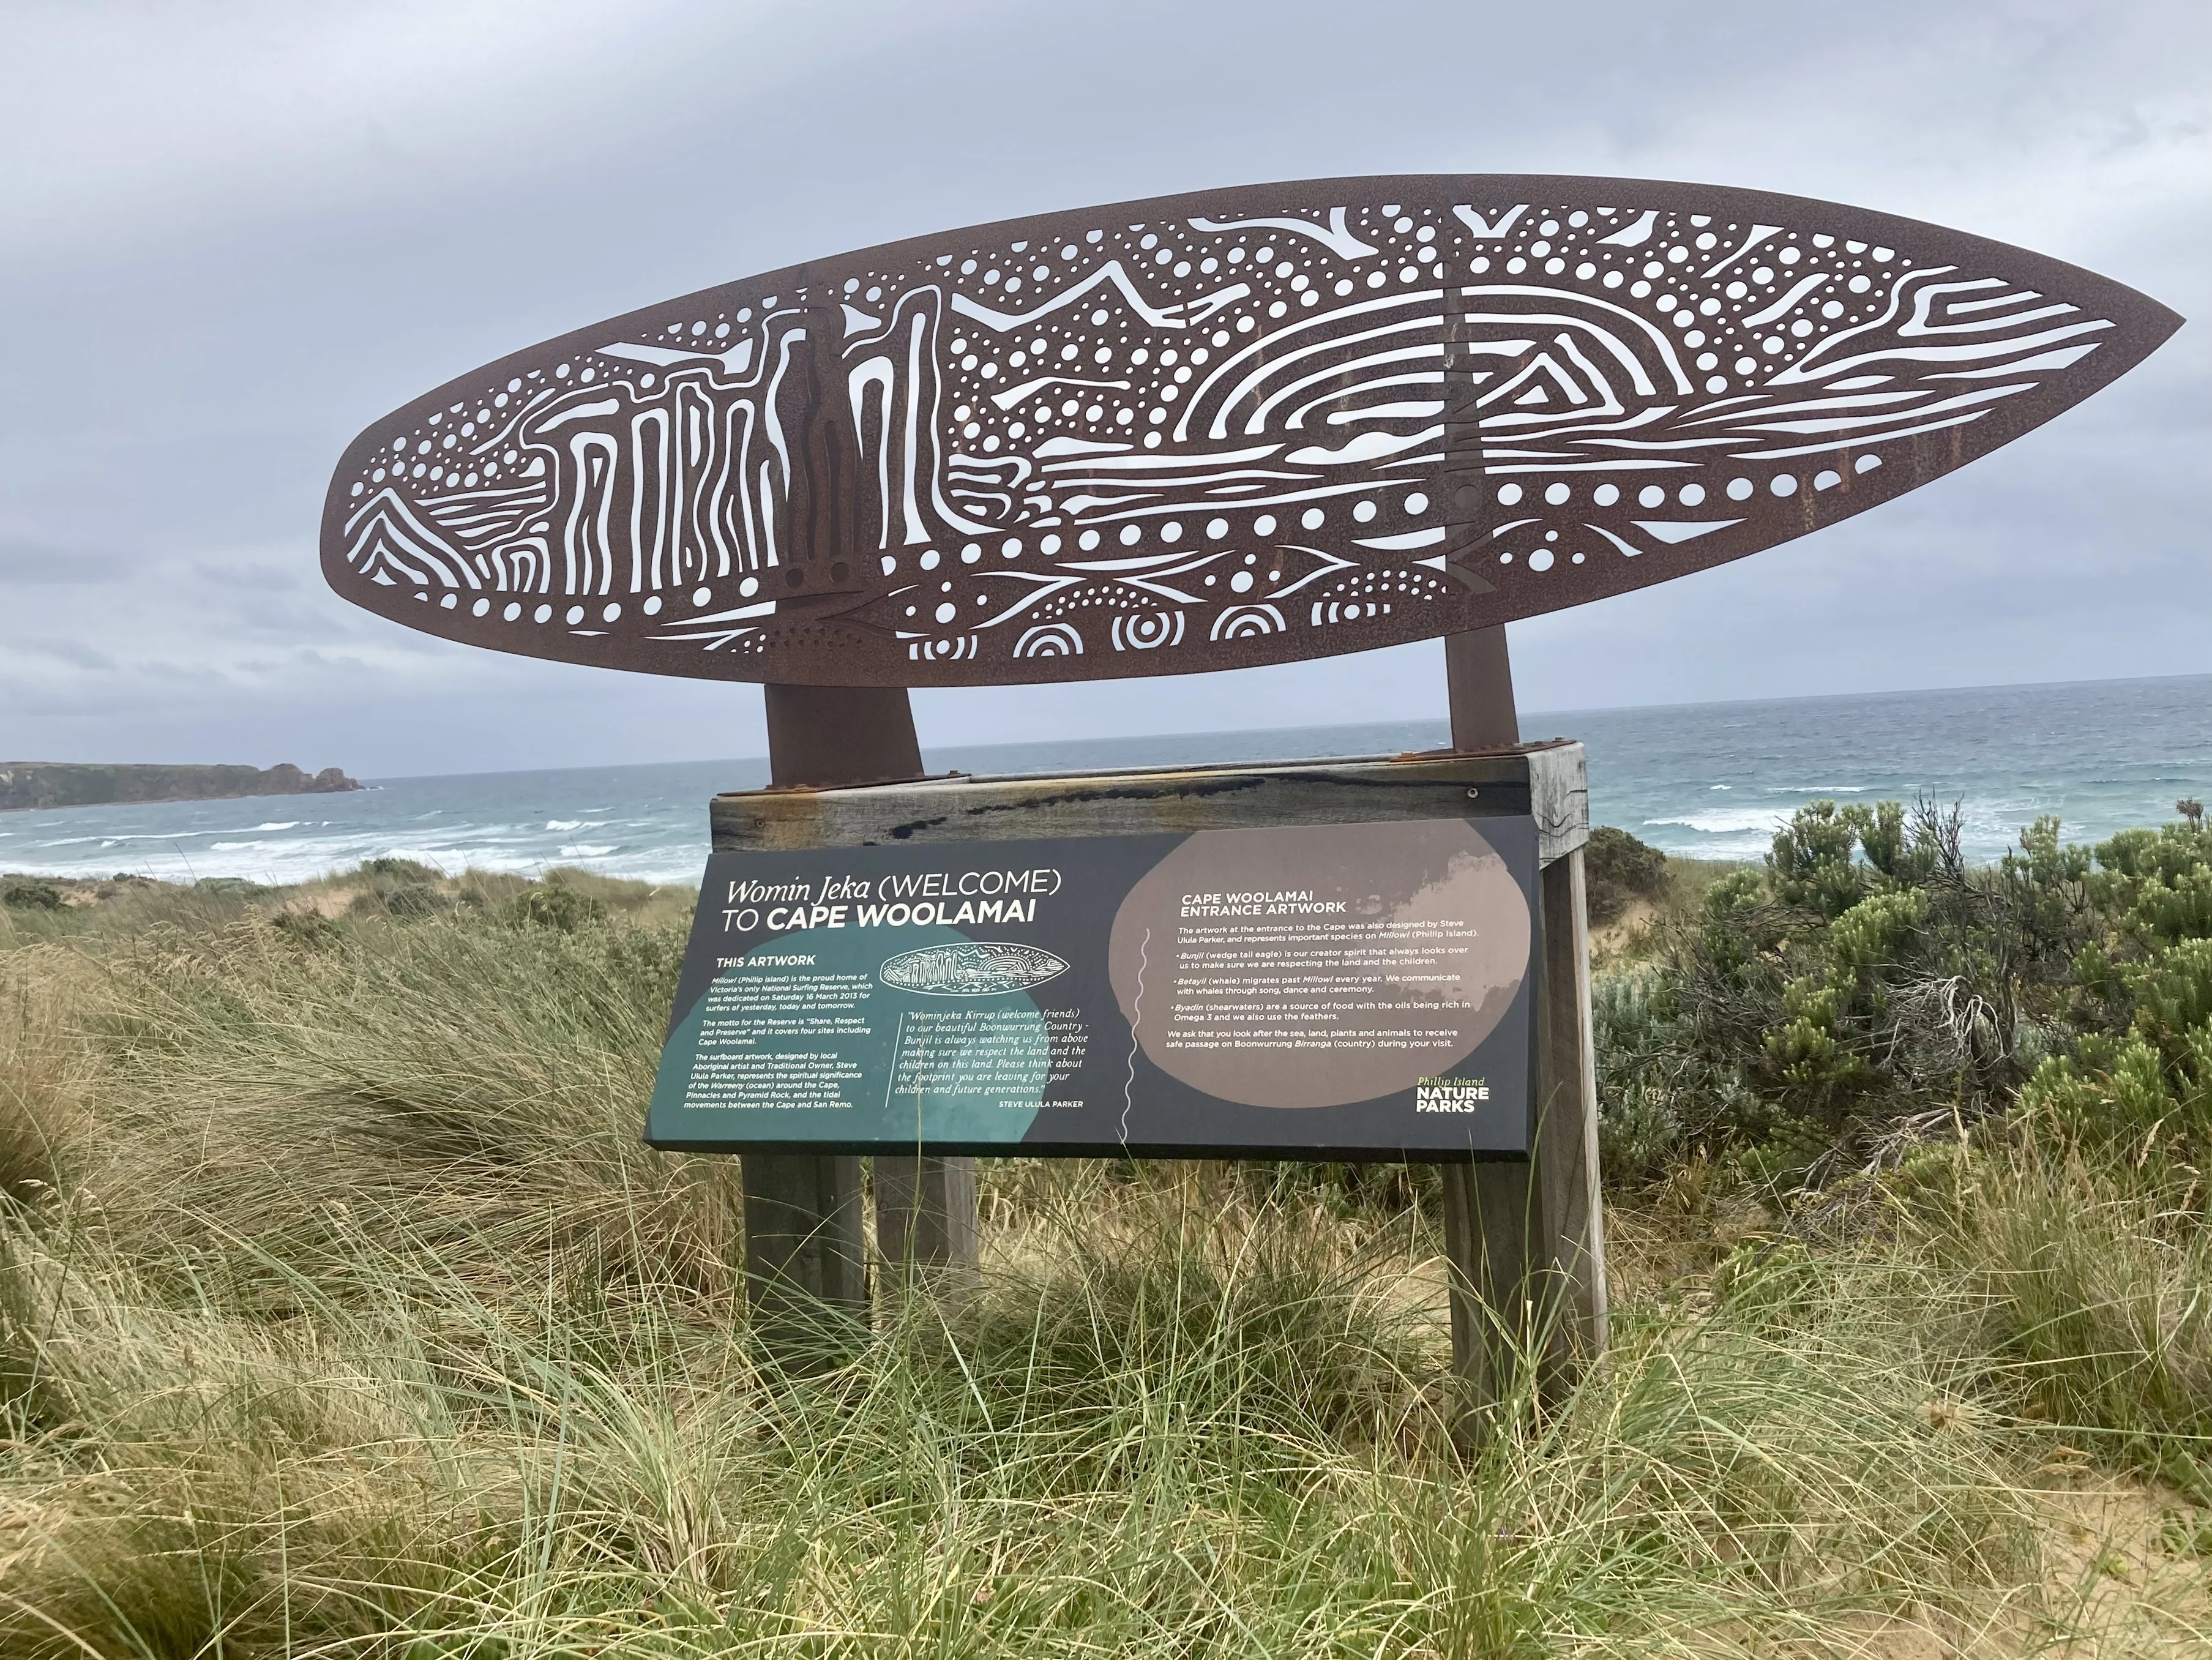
(1709, 780)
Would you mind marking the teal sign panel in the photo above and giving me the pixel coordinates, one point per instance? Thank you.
(1309, 991)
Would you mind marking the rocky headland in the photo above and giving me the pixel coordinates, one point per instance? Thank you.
(40, 784)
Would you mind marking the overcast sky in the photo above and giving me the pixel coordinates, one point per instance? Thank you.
(234, 234)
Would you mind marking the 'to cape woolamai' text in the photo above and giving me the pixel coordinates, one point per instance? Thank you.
(897, 900)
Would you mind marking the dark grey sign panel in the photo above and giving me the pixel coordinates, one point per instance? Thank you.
(1312, 991)
(1206, 431)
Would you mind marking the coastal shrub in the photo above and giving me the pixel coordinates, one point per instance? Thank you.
(412, 899)
(1617, 869)
(2138, 1077)
(562, 907)
(310, 929)
(615, 892)
(233, 887)
(109, 911)
(1868, 986)
(406, 901)
(486, 891)
(393, 868)
(31, 893)
(1663, 1096)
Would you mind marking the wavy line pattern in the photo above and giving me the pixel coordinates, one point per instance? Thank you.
(1171, 438)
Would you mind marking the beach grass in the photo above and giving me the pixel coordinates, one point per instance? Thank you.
(343, 1312)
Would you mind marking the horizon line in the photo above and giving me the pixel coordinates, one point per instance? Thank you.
(1439, 717)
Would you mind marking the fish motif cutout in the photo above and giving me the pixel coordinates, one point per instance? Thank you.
(1208, 431)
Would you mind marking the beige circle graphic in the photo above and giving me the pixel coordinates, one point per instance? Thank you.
(1317, 965)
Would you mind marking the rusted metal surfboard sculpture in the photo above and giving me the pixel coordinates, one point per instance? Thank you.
(1208, 431)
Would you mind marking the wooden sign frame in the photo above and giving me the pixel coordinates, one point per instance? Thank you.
(1521, 1236)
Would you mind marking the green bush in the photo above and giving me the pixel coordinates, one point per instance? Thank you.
(2140, 1075)
(30, 893)
(307, 927)
(392, 868)
(407, 901)
(1867, 986)
(412, 899)
(232, 887)
(562, 907)
(1617, 868)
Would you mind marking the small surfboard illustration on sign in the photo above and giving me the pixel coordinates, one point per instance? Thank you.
(973, 969)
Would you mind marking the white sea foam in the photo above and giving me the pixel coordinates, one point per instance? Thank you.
(1727, 821)
(117, 838)
(2100, 758)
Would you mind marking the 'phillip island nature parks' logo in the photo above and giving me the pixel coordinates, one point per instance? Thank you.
(1450, 1095)
(971, 968)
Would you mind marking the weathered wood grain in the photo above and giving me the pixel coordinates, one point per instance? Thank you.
(926, 1212)
(807, 1272)
(1525, 1243)
(1569, 1217)
(1547, 780)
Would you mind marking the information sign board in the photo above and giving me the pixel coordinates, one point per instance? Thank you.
(1353, 991)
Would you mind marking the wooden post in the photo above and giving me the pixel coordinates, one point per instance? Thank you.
(1525, 1243)
(925, 1210)
(805, 1255)
(1570, 1212)
(805, 1261)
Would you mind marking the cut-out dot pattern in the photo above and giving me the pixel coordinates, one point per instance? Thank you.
(1108, 419)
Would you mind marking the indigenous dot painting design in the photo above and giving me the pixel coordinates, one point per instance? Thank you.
(1208, 431)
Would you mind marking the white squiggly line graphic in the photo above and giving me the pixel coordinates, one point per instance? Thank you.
(1136, 1014)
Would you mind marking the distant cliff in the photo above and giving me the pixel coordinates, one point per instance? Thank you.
(66, 784)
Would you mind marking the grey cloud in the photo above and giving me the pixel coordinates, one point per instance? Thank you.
(248, 229)
(32, 564)
(73, 652)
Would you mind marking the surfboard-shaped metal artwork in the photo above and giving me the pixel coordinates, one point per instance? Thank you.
(1208, 431)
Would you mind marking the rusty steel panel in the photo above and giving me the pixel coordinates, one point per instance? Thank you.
(1208, 431)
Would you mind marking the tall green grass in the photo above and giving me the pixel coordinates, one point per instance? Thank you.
(1190, 1452)
(341, 1312)
(2096, 1288)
